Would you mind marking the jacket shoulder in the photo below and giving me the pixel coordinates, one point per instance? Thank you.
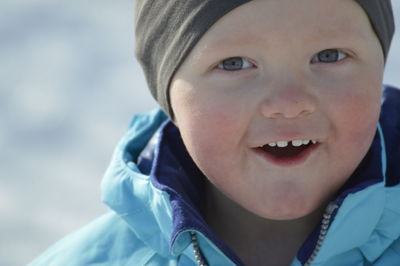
(106, 241)
(391, 255)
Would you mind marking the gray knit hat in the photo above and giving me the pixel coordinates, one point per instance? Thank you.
(167, 30)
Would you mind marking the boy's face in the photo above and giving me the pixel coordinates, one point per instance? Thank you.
(301, 70)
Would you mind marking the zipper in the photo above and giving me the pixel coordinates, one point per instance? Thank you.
(198, 255)
(326, 221)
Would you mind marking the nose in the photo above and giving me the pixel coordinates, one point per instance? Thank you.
(288, 101)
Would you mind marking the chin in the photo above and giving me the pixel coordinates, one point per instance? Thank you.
(285, 216)
(288, 217)
(288, 211)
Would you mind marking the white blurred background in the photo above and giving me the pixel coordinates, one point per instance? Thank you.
(69, 85)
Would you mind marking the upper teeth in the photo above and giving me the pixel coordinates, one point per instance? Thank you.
(295, 143)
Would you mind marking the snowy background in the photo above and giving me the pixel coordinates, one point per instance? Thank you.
(69, 85)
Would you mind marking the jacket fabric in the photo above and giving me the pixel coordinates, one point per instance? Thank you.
(154, 191)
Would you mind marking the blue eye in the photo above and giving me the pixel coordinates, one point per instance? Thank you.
(234, 64)
(328, 56)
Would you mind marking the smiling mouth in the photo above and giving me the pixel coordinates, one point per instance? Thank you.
(286, 153)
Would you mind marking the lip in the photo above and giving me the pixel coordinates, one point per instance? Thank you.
(288, 161)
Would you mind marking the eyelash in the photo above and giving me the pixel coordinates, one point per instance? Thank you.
(245, 64)
(340, 56)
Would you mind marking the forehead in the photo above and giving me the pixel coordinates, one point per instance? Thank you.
(269, 21)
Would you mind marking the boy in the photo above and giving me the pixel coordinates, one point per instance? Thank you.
(279, 152)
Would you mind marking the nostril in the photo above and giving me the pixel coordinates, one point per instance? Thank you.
(288, 115)
(305, 112)
(288, 102)
(289, 111)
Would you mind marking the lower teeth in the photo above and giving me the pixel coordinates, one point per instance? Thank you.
(289, 151)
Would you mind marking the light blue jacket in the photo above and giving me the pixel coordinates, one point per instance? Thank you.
(154, 206)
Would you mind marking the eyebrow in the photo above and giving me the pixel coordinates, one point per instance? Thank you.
(243, 40)
(347, 31)
(236, 41)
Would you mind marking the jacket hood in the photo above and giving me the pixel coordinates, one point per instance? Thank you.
(130, 194)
